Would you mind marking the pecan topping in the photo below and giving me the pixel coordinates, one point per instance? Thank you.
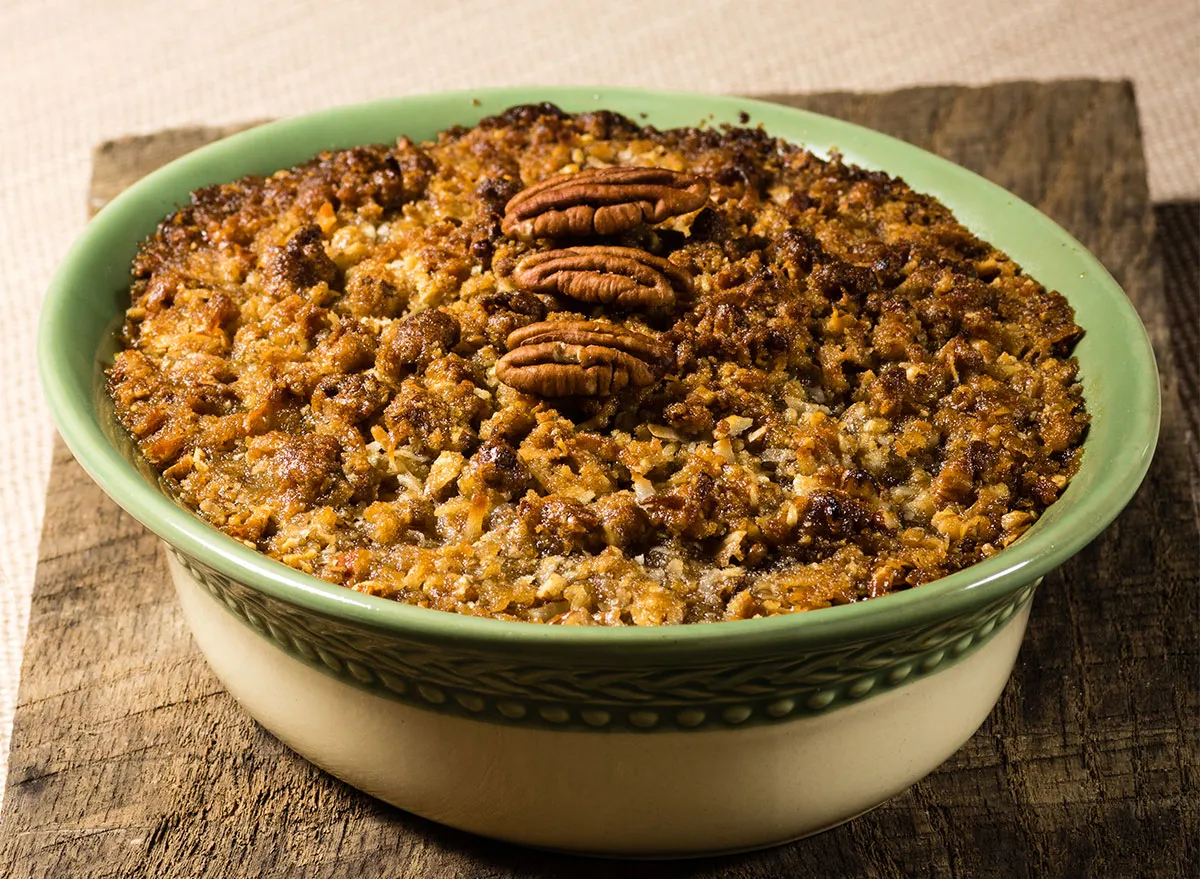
(601, 201)
(621, 276)
(587, 358)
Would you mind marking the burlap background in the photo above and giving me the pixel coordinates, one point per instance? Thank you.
(74, 73)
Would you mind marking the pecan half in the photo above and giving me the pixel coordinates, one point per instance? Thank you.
(621, 276)
(601, 201)
(584, 358)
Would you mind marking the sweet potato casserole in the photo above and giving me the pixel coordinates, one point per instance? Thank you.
(571, 369)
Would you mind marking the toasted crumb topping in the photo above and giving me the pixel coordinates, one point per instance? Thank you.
(854, 395)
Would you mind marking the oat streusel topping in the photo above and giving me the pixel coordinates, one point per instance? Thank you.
(820, 387)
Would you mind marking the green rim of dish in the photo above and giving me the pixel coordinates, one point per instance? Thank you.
(545, 692)
(1117, 369)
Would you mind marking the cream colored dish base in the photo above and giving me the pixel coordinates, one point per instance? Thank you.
(659, 794)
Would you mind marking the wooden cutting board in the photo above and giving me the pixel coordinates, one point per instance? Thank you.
(128, 759)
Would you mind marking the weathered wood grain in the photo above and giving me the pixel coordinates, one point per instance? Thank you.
(129, 760)
(1177, 227)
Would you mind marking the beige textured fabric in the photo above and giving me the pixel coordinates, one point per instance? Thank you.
(74, 72)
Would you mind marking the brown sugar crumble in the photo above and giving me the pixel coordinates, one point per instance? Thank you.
(490, 375)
